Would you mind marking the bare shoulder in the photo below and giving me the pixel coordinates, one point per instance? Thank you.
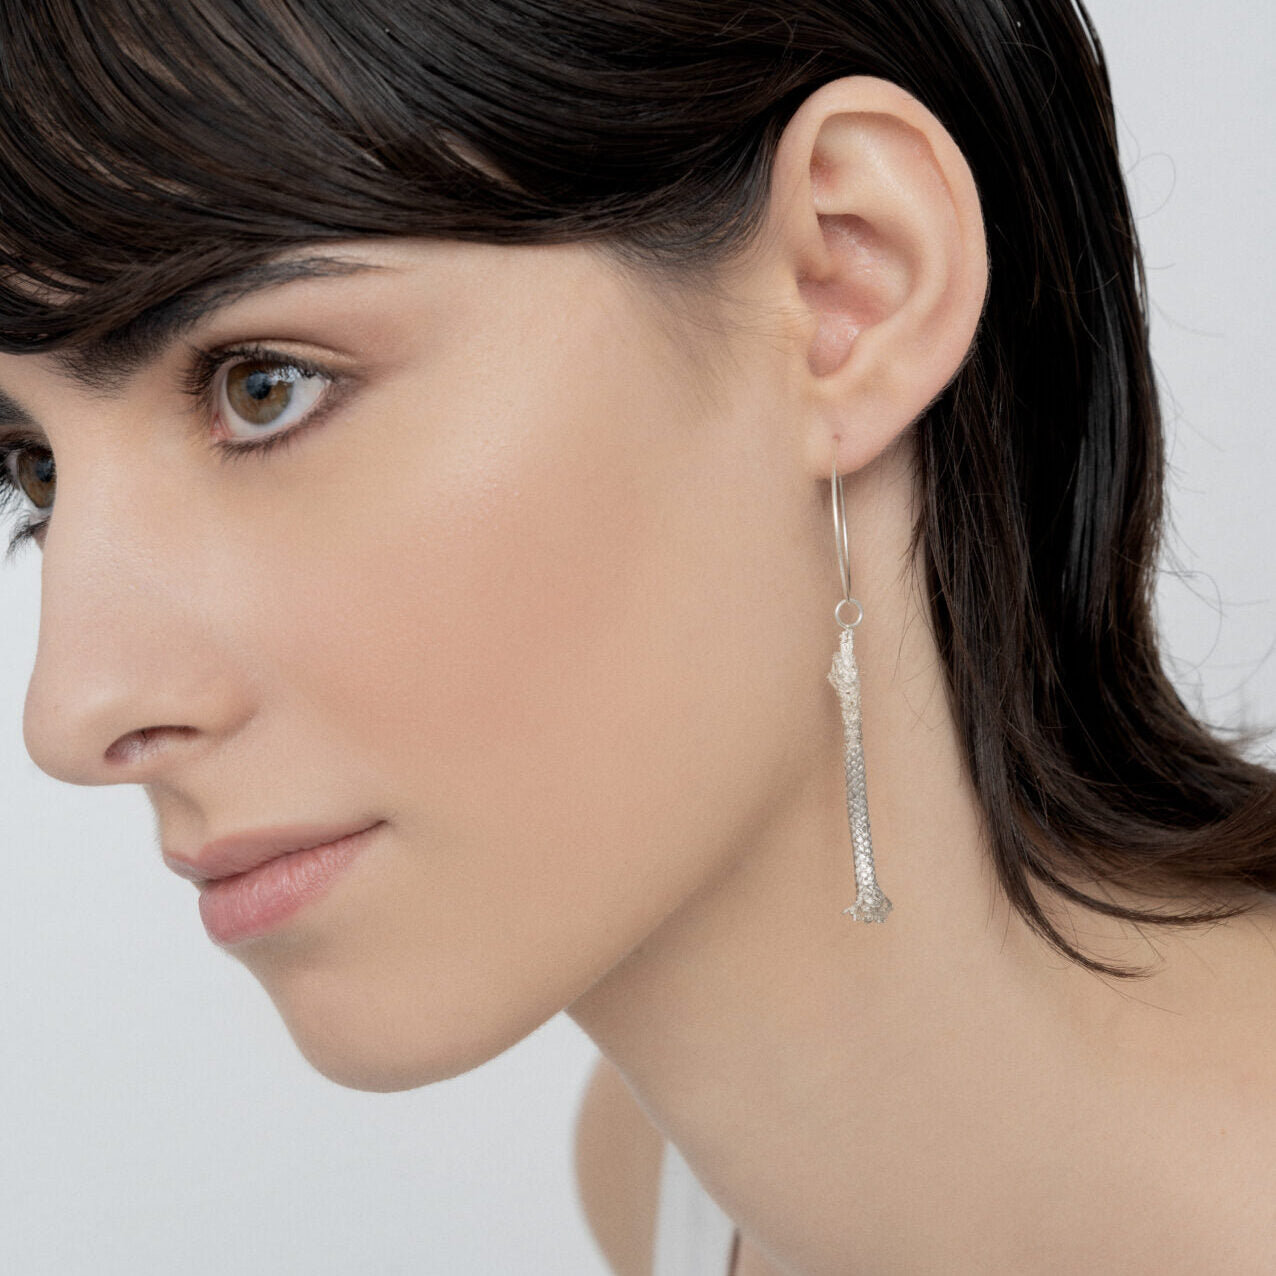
(618, 1153)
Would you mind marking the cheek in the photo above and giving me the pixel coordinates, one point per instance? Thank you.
(527, 618)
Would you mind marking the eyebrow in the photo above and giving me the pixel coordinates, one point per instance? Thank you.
(108, 363)
(14, 416)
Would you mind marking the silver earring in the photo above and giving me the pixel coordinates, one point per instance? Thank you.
(870, 904)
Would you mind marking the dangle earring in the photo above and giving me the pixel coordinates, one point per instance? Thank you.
(870, 904)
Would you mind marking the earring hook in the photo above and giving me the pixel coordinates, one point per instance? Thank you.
(840, 538)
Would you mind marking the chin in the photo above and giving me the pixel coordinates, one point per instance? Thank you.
(356, 1067)
(383, 1044)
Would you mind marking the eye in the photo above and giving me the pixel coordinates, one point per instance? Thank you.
(265, 394)
(29, 469)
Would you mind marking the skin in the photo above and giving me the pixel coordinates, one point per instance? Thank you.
(551, 593)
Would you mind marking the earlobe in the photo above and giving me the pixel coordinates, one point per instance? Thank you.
(878, 217)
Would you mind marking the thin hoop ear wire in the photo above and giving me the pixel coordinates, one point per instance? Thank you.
(870, 904)
(840, 538)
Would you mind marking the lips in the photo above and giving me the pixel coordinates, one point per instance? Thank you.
(240, 852)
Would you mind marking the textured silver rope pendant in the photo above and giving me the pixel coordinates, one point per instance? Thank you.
(870, 904)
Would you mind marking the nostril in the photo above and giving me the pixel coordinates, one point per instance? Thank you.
(138, 745)
(129, 748)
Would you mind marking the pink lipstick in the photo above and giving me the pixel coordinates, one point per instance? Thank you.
(250, 884)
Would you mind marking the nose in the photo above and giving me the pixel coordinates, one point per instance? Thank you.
(131, 679)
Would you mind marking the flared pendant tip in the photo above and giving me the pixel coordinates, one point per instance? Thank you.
(870, 907)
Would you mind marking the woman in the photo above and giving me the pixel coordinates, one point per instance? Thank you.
(634, 310)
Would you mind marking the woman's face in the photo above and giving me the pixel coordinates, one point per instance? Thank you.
(541, 586)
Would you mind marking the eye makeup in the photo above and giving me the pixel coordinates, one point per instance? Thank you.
(26, 456)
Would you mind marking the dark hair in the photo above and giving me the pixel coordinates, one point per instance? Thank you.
(146, 148)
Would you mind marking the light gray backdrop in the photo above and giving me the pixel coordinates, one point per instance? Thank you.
(156, 1116)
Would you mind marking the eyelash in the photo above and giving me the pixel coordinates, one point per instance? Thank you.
(197, 383)
(27, 526)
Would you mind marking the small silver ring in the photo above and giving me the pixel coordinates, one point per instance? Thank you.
(848, 602)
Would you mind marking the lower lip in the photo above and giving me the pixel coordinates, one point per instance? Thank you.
(256, 902)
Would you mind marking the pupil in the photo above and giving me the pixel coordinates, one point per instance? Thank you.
(35, 474)
(260, 384)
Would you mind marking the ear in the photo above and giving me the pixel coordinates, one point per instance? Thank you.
(879, 242)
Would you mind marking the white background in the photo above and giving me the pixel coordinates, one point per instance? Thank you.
(156, 1116)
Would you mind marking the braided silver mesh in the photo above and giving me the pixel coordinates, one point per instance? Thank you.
(870, 904)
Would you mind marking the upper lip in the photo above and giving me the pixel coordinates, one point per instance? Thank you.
(239, 852)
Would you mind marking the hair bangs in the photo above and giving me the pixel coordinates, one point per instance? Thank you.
(147, 149)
